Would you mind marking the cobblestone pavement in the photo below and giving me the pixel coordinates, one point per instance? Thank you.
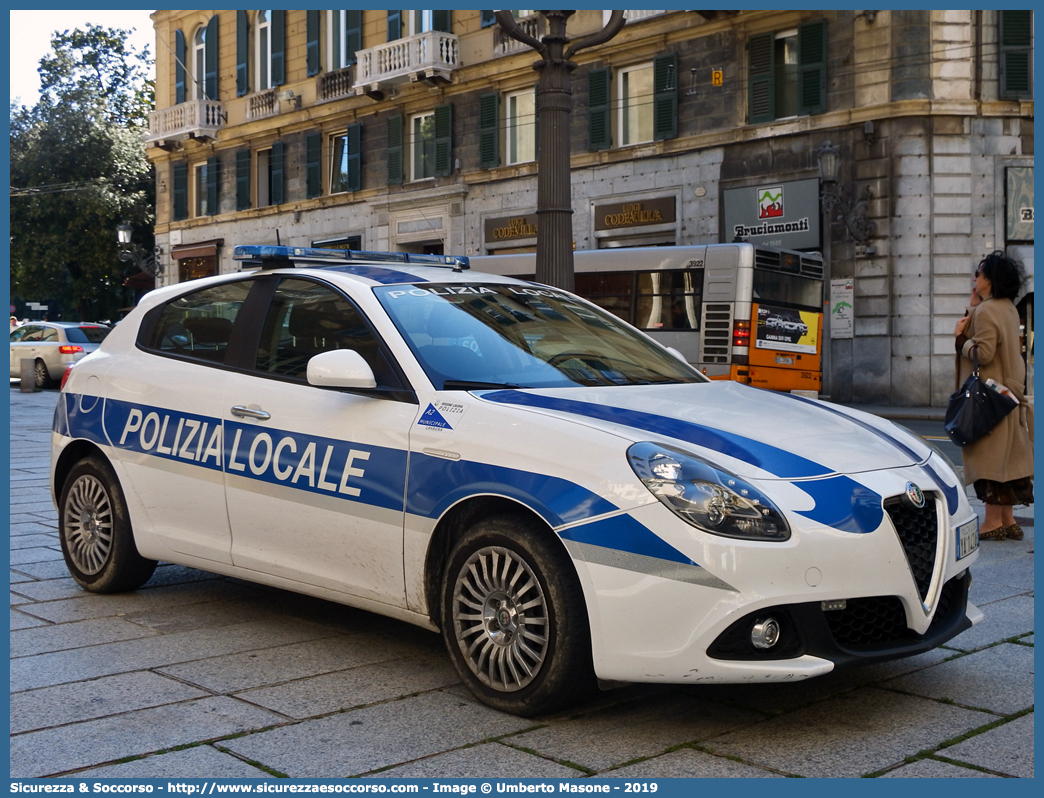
(197, 676)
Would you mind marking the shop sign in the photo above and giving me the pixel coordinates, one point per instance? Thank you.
(507, 228)
(634, 214)
(774, 213)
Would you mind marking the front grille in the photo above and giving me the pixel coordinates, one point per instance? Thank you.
(717, 331)
(791, 262)
(918, 531)
(879, 622)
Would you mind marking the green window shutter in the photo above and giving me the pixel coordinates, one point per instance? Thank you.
(210, 80)
(394, 25)
(442, 20)
(599, 134)
(179, 67)
(242, 180)
(313, 165)
(352, 35)
(395, 171)
(353, 143)
(1016, 40)
(489, 131)
(312, 42)
(665, 96)
(488, 19)
(443, 140)
(278, 33)
(242, 54)
(213, 185)
(812, 67)
(761, 89)
(277, 161)
(180, 181)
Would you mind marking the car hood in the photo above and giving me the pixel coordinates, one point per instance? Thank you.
(763, 434)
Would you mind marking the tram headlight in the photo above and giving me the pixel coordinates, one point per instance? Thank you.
(708, 497)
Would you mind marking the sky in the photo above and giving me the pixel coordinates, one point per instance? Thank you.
(31, 40)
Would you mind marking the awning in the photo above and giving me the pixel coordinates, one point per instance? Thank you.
(198, 249)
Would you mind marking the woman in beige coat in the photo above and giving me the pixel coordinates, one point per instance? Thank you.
(1000, 464)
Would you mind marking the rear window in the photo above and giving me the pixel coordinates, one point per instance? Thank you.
(196, 325)
(86, 335)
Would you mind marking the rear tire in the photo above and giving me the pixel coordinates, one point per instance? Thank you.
(514, 618)
(41, 377)
(95, 530)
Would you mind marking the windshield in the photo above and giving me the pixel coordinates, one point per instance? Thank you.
(496, 335)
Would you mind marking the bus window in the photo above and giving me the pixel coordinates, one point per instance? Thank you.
(669, 300)
(776, 288)
(611, 291)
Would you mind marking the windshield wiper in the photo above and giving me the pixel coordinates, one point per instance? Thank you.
(476, 385)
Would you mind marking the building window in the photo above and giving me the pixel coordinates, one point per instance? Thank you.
(635, 95)
(422, 146)
(199, 61)
(179, 180)
(521, 124)
(346, 161)
(201, 190)
(1016, 55)
(270, 175)
(203, 62)
(787, 73)
(344, 37)
(269, 45)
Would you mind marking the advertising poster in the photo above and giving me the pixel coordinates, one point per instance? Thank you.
(841, 293)
(787, 330)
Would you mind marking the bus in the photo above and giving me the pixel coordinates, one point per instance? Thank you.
(739, 312)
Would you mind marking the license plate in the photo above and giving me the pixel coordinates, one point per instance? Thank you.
(783, 360)
(967, 538)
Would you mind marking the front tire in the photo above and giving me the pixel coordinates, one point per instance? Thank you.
(514, 618)
(95, 530)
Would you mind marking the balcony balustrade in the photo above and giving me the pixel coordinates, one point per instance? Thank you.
(198, 119)
(429, 57)
(534, 25)
(334, 85)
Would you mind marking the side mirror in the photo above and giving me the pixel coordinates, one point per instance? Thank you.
(678, 355)
(340, 368)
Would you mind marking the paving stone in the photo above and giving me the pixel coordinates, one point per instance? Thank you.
(63, 636)
(982, 593)
(241, 671)
(1003, 619)
(199, 762)
(1006, 749)
(16, 599)
(93, 742)
(689, 763)
(50, 589)
(37, 540)
(33, 528)
(19, 620)
(364, 740)
(934, 769)
(344, 689)
(52, 569)
(615, 735)
(481, 761)
(1015, 572)
(999, 679)
(59, 667)
(18, 578)
(36, 554)
(202, 615)
(95, 698)
(160, 599)
(853, 734)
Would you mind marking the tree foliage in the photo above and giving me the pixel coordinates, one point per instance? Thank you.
(78, 169)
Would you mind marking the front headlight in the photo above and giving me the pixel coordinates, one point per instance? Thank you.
(708, 497)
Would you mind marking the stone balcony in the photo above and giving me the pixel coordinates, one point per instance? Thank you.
(426, 57)
(334, 85)
(534, 25)
(196, 119)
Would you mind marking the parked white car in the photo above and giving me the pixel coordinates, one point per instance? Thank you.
(53, 346)
(559, 495)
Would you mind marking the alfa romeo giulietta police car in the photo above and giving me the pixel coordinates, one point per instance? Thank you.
(562, 497)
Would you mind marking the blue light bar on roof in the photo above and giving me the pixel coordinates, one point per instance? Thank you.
(273, 253)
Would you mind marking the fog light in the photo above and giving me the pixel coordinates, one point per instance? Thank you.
(833, 606)
(765, 634)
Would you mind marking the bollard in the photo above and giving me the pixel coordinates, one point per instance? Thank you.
(28, 375)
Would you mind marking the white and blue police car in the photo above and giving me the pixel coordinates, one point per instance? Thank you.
(563, 498)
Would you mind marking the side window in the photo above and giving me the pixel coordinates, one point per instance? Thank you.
(307, 318)
(31, 333)
(49, 334)
(197, 325)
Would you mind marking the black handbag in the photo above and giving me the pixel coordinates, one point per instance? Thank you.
(976, 408)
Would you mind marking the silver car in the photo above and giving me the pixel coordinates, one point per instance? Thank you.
(53, 346)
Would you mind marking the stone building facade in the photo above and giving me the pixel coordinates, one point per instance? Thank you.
(415, 131)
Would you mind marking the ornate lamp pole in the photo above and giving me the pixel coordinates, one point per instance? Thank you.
(836, 197)
(132, 253)
(554, 259)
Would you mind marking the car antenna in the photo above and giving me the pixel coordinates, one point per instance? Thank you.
(277, 238)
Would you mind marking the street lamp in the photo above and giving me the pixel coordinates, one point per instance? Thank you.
(132, 253)
(837, 197)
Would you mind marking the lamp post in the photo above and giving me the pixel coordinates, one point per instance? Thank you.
(554, 256)
(132, 253)
(836, 197)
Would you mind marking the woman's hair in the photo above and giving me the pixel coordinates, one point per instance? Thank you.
(1004, 274)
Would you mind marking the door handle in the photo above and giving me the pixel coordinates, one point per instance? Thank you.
(246, 412)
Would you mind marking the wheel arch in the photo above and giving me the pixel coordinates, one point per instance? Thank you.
(70, 456)
(453, 524)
